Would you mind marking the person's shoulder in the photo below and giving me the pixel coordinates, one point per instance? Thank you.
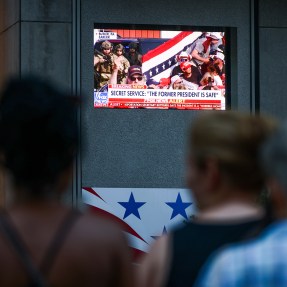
(270, 239)
(200, 41)
(251, 260)
(154, 265)
(99, 229)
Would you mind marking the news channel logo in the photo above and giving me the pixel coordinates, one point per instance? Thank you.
(100, 97)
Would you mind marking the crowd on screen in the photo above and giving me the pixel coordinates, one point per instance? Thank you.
(201, 68)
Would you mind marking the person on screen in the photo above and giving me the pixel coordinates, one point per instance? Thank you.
(123, 68)
(176, 83)
(134, 76)
(202, 50)
(43, 242)
(226, 179)
(219, 63)
(188, 80)
(133, 55)
(185, 57)
(103, 64)
(211, 78)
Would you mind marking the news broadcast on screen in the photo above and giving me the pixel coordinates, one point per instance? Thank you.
(159, 69)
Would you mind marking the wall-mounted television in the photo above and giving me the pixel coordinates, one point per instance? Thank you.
(160, 67)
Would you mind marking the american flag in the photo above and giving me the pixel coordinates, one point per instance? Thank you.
(143, 213)
(159, 62)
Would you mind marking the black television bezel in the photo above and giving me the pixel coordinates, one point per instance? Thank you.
(230, 49)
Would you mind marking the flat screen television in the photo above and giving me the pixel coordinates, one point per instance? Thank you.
(160, 67)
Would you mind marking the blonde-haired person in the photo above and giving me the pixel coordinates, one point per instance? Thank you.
(225, 177)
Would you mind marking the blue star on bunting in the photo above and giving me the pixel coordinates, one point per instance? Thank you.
(132, 207)
(178, 207)
(163, 232)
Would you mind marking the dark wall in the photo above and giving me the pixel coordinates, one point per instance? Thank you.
(146, 148)
(273, 62)
(36, 37)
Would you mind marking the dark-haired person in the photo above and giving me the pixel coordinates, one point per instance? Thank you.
(42, 241)
(188, 80)
(211, 77)
(226, 178)
(133, 56)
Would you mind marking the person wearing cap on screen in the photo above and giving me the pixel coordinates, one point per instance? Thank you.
(185, 57)
(202, 49)
(134, 76)
(187, 76)
(219, 63)
(176, 83)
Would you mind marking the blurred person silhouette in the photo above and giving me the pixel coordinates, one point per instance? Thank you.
(226, 179)
(42, 241)
(263, 260)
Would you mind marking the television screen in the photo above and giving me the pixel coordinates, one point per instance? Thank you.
(159, 69)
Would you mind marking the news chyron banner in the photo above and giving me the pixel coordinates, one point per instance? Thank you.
(138, 96)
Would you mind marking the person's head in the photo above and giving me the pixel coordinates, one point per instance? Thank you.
(211, 69)
(215, 37)
(224, 149)
(38, 133)
(274, 155)
(133, 47)
(186, 67)
(135, 75)
(183, 57)
(176, 82)
(274, 161)
(106, 47)
(219, 57)
(119, 49)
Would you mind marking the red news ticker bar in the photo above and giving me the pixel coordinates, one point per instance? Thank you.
(161, 106)
(176, 101)
(195, 106)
